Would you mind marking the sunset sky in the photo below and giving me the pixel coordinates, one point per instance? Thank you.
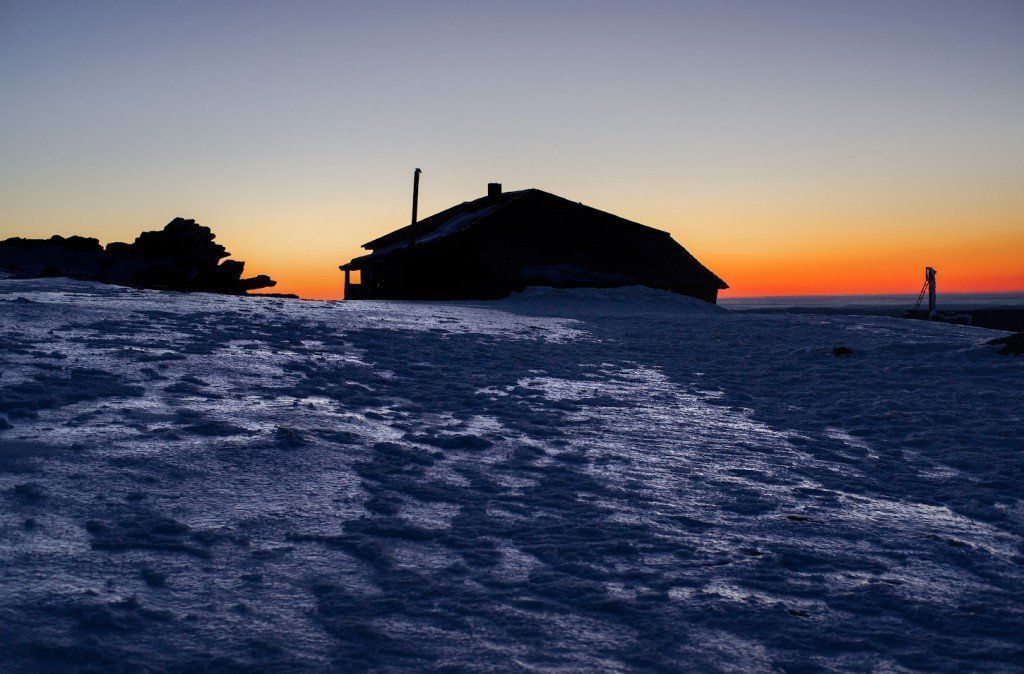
(793, 147)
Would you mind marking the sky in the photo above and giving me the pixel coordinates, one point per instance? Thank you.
(794, 147)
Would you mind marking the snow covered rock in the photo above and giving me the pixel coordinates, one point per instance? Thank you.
(1011, 344)
(181, 256)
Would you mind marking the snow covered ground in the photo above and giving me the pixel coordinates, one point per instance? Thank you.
(561, 481)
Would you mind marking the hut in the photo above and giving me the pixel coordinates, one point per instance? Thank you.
(506, 241)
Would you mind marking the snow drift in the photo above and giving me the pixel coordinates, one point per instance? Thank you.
(598, 480)
(594, 302)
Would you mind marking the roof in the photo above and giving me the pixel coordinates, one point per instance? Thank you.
(470, 214)
(447, 222)
(460, 218)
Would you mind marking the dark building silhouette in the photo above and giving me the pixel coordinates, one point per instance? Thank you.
(504, 242)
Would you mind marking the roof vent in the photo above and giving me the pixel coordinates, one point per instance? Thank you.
(493, 190)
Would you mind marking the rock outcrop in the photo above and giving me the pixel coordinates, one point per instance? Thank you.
(182, 256)
(1013, 345)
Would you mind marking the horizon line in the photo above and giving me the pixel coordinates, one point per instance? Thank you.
(878, 294)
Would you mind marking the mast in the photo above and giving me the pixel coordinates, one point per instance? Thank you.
(929, 279)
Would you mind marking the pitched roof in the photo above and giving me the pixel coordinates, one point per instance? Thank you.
(470, 214)
(449, 221)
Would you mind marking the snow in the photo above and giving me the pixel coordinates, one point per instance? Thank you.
(595, 302)
(451, 226)
(597, 480)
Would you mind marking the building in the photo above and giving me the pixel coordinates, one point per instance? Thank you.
(504, 242)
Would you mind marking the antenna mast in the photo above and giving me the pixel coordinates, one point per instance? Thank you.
(928, 287)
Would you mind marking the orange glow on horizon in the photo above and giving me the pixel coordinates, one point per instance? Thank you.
(780, 254)
(863, 274)
(762, 240)
(751, 275)
(805, 244)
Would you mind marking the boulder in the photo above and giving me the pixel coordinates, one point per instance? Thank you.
(182, 256)
(1013, 345)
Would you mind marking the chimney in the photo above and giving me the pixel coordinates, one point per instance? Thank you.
(415, 193)
(493, 190)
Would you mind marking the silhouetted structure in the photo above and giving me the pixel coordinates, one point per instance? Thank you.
(504, 242)
(929, 288)
(182, 256)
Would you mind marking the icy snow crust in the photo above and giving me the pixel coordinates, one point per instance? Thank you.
(586, 480)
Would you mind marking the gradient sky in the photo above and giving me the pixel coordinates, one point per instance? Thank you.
(793, 147)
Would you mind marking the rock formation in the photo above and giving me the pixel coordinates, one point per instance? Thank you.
(1012, 344)
(182, 256)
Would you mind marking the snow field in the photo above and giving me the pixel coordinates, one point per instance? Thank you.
(596, 480)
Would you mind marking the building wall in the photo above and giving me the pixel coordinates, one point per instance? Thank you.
(443, 271)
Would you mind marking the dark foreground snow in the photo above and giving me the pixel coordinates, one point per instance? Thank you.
(192, 482)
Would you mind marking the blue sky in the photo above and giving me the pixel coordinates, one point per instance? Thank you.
(753, 131)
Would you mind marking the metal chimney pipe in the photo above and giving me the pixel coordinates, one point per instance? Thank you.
(415, 193)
